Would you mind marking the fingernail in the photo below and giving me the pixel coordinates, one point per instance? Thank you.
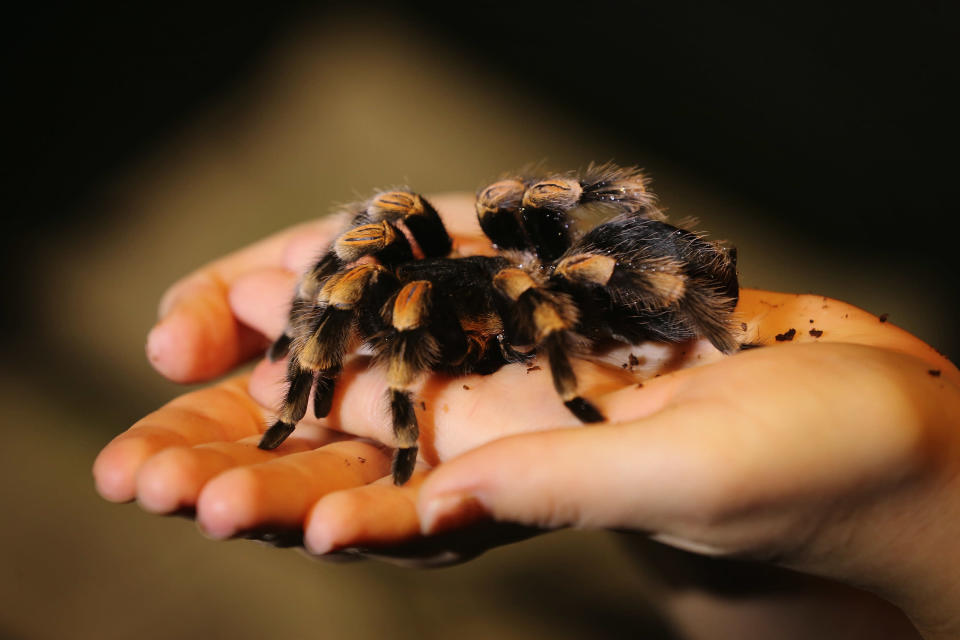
(452, 511)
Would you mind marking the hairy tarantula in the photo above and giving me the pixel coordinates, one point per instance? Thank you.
(583, 260)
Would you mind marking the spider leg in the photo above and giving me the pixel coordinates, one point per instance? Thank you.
(498, 210)
(304, 302)
(418, 216)
(545, 215)
(512, 355)
(671, 283)
(317, 349)
(414, 211)
(547, 316)
(409, 348)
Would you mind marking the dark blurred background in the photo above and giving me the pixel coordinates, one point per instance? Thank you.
(144, 139)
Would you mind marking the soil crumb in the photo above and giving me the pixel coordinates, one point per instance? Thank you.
(786, 336)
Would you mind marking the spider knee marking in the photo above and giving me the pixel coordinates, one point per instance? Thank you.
(396, 204)
(513, 282)
(411, 305)
(587, 267)
(500, 197)
(557, 194)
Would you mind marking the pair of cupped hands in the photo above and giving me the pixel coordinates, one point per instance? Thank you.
(834, 449)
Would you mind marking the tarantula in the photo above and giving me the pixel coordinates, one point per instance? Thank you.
(582, 261)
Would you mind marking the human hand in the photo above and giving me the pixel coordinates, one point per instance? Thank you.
(786, 453)
(169, 460)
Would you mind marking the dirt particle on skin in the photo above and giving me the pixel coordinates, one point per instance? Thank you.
(883, 317)
(535, 367)
(934, 373)
(816, 333)
(466, 387)
(632, 360)
(786, 336)
(423, 406)
(811, 320)
(743, 326)
(639, 385)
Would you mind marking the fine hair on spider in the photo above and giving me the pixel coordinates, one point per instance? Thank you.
(584, 259)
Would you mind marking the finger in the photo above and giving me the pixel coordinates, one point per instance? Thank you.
(172, 480)
(262, 298)
(773, 318)
(223, 412)
(377, 515)
(278, 494)
(553, 479)
(197, 336)
(713, 451)
(379, 521)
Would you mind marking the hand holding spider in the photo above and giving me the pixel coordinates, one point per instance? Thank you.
(790, 452)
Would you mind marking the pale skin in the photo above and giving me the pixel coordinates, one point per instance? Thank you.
(835, 454)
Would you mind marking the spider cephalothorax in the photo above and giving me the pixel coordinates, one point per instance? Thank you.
(583, 260)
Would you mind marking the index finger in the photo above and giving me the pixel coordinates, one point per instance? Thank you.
(197, 336)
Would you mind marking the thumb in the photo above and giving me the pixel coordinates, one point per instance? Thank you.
(638, 475)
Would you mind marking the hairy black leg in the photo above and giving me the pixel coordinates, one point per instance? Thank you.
(304, 301)
(668, 281)
(280, 347)
(498, 210)
(317, 351)
(547, 316)
(316, 358)
(625, 188)
(512, 355)
(292, 410)
(409, 349)
(406, 430)
(323, 392)
(545, 215)
(547, 231)
(381, 240)
(420, 218)
(565, 381)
